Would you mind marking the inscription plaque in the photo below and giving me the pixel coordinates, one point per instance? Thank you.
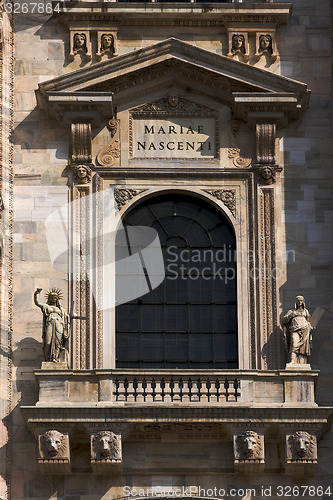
(174, 137)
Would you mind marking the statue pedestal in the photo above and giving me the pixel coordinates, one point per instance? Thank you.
(50, 365)
(298, 366)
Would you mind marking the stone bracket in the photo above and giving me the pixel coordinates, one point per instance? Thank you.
(265, 143)
(80, 142)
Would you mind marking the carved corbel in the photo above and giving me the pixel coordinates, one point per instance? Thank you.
(81, 142)
(238, 45)
(265, 45)
(265, 143)
(301, 448)
(106, 44)
(109, 156)
(53, 452)
(249, 451)
(106, 452)
(79, 44)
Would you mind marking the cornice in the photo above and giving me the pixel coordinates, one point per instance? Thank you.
(173, 14)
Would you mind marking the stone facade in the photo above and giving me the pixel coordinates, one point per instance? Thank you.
(106, 107)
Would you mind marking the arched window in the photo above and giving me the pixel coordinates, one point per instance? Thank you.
(190, 320)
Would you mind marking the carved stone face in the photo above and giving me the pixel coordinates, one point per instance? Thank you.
(53, 299)
(106, 41)
(238, 42)
(81, 172)
(299, 301)
(103, 445)
(52, 441)
(264, 42)
(79, 41)
(302, 443)
(248, 442)
(173, 100)
(266, 173)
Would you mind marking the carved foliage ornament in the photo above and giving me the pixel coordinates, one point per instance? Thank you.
(173, 104)
(301, 447)
(106, 446)
(227, 196)
(110, 155)
(234, 152)
(122, 196)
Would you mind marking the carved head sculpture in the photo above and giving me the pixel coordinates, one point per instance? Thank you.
(173, 101)
(302, 444)
(265, 44)
(82, 174)
(299, 302)
(80, 42)
(249, 445)
(106, 446)
(52, 443)
(107, 42)
(267, 175)
(238, 43)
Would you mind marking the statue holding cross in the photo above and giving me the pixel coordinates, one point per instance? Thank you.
(56, 325)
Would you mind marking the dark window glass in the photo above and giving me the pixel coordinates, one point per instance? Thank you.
(189, 320)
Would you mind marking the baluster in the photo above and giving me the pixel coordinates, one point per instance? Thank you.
(214, 391)
(167, 390)
(153, 387)
(158, 390)
(186, 390)
(130, 391)
(149, 391)
(204, 390)
(140, 391)
(196, 390)
(226, 387)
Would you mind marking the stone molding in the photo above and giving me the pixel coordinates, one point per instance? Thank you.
(155, 15)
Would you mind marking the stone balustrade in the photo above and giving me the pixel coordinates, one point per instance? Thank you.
(119, 387)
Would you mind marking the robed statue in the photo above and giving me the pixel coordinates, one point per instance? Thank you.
(298, 332)
(55, 326)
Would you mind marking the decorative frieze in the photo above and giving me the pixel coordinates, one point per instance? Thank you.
(227, 196)
(53, 452)
(81, 142)
(123, 196)
(109, 156)
(106, 452)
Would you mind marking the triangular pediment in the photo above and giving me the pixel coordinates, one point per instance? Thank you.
(172, 61)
